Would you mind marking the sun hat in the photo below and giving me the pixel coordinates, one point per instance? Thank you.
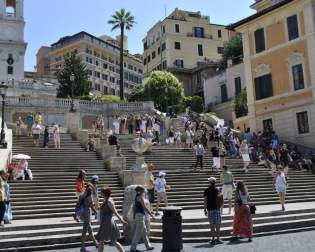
(95, 178)
(162, 174)
(212, 179)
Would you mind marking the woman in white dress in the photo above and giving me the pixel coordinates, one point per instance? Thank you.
(281, 186)
(189, 138)
(56, 136)
(244, 150)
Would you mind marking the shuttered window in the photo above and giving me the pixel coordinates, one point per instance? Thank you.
(293, 28)
(260, 40)
(263, 87)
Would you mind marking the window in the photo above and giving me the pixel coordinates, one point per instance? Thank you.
(105, 90)
(177, 45)
(219, 34)
(267, 125)
(98, 87)
(144, 61)
(130, 67)
(179, 63)
(159, 50)
(163, 46)
(96, 62)
(10, 69)
(293, 28)
(153, 54)
(238, 86)
(260, 40)
(302, 122)
(149, 58)
(298, 77)
(163, 29)
(199, 32)
(105, 66)
(220, 50)
(263, 87)
(200, 50)
(177, 28)
(164, 64)
(224, 94)
(145, 45)
(113, 91)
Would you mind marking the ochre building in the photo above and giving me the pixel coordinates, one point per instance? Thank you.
(279, 59)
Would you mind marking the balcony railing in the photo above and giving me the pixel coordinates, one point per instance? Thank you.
(205, 36)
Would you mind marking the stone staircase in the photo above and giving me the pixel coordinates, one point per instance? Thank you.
(187, 189)
(51, 194)
(43, 207)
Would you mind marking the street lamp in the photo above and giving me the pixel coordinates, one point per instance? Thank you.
(169, 92)
(72, 78)
(3, 91)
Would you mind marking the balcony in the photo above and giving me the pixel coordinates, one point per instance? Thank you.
(205, 36)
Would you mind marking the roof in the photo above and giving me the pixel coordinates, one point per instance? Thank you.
(259, 14)
(63, 39)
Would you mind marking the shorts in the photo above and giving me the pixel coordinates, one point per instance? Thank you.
(161, 196)
(227, 191)
(36, 136)
(214, 217)
(216, 162)
(151, 195)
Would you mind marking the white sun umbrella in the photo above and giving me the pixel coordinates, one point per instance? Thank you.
(21, 157)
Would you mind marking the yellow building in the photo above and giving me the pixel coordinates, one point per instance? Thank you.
(101, 57)
(279, 58)
(187, 44)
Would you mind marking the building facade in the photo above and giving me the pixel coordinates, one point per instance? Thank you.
(101, 58)
(279, 59)
(187, 44)
(12, 45)
(221, 89)
(43, 61)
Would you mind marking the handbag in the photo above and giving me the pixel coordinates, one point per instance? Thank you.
(252, 208)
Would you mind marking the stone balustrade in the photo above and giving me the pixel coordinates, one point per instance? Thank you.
(80, 105)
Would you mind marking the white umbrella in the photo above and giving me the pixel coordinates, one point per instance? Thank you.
(21, 157)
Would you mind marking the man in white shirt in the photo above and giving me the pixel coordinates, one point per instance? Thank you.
(36, 133)
(160, 187)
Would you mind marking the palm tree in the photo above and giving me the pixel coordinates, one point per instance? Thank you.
(124, 20)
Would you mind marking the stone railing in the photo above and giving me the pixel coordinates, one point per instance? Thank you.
(84, 106)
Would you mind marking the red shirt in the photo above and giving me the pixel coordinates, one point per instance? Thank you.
(80, 186)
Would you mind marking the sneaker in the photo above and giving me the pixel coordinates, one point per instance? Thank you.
(250, 239)
(157, 214)
(212, 242)
(150, 248)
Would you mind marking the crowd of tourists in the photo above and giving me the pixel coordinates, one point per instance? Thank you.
(35, 128)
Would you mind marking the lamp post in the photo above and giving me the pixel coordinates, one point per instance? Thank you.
(72, 78)
(3, 91)
(169, 91)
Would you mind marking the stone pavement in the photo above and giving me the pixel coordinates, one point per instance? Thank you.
(296, 242)
(187, 214)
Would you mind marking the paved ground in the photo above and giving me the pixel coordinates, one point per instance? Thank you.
(297, 242)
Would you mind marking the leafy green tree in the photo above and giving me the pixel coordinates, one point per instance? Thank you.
(197, 104)
(240, 104)
(233, 49)
(122, 20)
(80, 86)
(137, 93)
(164, 89)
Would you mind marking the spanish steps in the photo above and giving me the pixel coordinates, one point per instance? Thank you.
(43, 207)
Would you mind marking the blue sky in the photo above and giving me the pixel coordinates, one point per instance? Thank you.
(48, 20)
